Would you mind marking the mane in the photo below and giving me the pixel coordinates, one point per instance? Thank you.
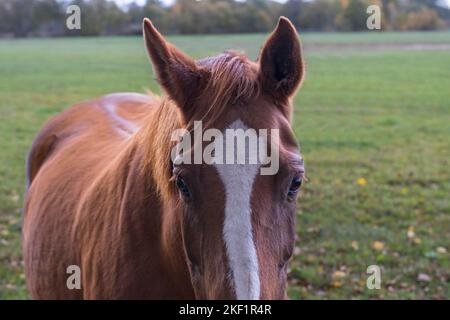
(232, 82)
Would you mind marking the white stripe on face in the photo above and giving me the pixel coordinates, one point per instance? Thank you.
(237, 230)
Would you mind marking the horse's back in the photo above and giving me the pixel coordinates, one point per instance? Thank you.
(112, 117)
(67, 155)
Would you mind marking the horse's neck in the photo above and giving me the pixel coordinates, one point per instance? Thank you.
(154, 140)
(149, 189)
(132, 204)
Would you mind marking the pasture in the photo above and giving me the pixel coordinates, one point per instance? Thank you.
(373, 120)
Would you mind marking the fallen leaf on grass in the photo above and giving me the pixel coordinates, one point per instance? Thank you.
(423, 277)
(336, 279)
(4, 232)
(411, 234)
(441, 250)
(339, 275)
(15, 196)
(378, 245)
(361, 182)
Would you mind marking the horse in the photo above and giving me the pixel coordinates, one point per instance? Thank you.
(104, 193)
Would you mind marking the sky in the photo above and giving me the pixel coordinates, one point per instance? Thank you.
(140, 2)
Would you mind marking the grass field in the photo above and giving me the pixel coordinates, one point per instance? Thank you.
(374, 125)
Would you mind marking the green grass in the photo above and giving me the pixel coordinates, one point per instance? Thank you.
(378, 115)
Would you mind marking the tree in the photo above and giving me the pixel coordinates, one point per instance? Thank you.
(319, 15)
(292, 9)
(353, 16)
(154, 10)
(22, 18)
(424, 19)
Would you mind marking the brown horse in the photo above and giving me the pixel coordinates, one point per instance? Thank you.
(104, 193)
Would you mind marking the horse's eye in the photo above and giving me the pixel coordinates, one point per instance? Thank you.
(296, 183)
(181, 185)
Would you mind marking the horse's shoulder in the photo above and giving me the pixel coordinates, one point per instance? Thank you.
(126, 112)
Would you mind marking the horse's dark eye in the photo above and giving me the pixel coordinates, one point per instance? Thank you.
(295, 186)
(181, 185)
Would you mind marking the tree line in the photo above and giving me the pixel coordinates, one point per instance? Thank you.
(27, 18)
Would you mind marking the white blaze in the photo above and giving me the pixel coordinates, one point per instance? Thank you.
(237, 231)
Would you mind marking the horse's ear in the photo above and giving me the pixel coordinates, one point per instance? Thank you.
(282, 67)
(177, 73)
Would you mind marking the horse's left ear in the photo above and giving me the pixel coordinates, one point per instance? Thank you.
(177, 73)
(282, 67)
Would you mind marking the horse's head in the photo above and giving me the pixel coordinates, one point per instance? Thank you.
(237, 211)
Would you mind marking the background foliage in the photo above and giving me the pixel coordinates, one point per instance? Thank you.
(20, 18)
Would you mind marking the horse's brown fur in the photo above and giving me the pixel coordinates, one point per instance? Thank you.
(101, 196)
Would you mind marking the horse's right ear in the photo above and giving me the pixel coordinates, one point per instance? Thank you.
(177, 73)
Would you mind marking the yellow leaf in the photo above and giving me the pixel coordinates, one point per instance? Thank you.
(361, 182)
(378, 245)
(336, 279)
(338, 275)
(404, 191)
(411, 234)
(336, 284)
(355, 245)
